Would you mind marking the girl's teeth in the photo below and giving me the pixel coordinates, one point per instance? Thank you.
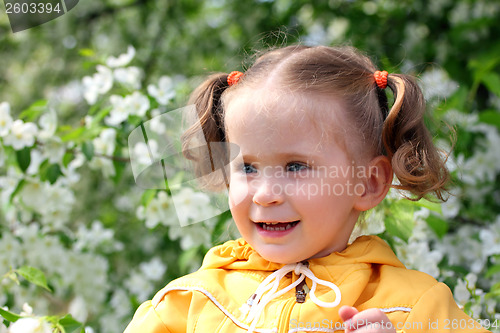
(270, 227)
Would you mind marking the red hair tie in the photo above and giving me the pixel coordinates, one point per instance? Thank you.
(234, 77)
(381, 79)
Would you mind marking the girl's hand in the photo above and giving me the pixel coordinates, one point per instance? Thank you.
(368, 321)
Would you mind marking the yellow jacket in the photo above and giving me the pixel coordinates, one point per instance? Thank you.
(367, 273)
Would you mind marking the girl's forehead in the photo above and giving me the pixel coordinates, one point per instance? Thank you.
(285, 109)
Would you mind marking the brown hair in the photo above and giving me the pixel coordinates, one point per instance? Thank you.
(344, 73)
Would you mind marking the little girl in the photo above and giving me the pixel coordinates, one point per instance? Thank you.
(319, 145)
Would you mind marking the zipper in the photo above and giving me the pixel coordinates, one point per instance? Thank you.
(284, 322)
(301, 291)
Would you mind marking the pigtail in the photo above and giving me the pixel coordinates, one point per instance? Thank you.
(416, 162)
(202, 141)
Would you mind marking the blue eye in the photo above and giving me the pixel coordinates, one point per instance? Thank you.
(247, 168)
(296, 166)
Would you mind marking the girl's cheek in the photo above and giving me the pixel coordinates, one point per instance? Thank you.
(238, 191)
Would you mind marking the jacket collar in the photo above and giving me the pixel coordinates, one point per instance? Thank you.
(239, 255)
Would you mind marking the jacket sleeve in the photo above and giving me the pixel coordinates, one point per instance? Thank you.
(146, 320)
(174, 311)
(436, 311)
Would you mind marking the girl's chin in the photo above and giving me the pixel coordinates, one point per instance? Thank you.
(280, 254)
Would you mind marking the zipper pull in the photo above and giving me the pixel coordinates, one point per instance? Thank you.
(300, 293)
(302, 289)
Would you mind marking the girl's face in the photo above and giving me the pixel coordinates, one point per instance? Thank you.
(294, 195)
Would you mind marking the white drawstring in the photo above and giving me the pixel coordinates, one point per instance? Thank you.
(258, 301)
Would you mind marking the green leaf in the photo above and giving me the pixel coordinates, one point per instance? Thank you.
(80, 134)
(147, 196)
(491, 117)
(73, 135)
(492, 82)
(100, 116)
(34, 111)
(23, 158)
(399, 219)
(430, 205)
(88, 150)
(50, 172)
(437, 224)
(9, 316)
(68, 157)
(119, 168)
(34, 276)
(492, 271)
(70, 324)
(18, 188)
(86, 52)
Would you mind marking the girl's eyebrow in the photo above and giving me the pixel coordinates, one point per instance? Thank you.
(286, 155)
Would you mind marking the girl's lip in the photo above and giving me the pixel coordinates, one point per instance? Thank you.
(276, 221)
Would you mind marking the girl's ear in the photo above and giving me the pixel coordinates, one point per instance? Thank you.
(377, 183)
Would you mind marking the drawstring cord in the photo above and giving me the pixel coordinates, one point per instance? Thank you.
(258, 301)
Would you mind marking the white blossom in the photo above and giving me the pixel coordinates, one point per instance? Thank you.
(30, 325)
(164, 92)
(154, 269)
(103, 164)
(33, 193)
(27, 310)
(461, 119)
(10, 248)
(120, 303)
(71, 176)
(5, 119)
(78, 309)
(139, 285)
(490, 238)
(452, 246)
(105, 143)
(145, 154)
(98, 84)
(159, 210)
(461, 292)
(54, 150)
(191, 236)
(436, 83)
(192, 206)
(156, 124)
(53, 201)
(36, 158)
(420, 257)
(123, 59)
(87, 120)
(120, 111)
(21, 135)
(451, 207)
(138, 103)
(97, 237)
(48, 125)
(129, 76)
(133, 104)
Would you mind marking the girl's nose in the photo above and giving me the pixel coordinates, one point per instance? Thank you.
(268, 193)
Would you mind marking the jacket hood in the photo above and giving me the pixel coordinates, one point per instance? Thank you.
(239, 255)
